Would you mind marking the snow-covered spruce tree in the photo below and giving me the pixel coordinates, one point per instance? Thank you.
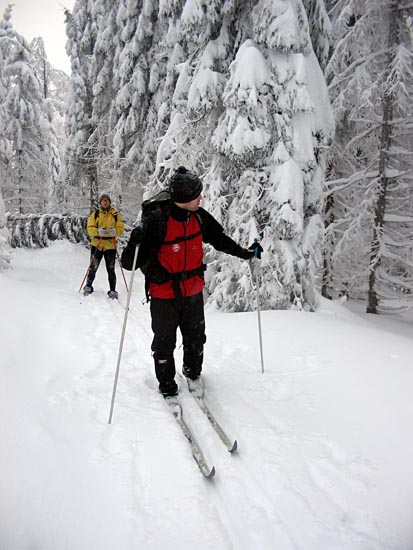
(192, 95)
(250, 113)
(55, 197)
(6, 44)
(371, 87)
(4, 238)
(24, 189)
(81, 152)
(44, 72)
(54, 84)
(347, 216)
(146, 72)
(104, 91)
(320, 29)
(46, 103)
(133, 64)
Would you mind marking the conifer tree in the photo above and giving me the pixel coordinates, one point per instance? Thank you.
(140, 75)
(4, 236)
(24, 187)
(320, 29)
(51, 106)
(371, 86)
(233, 91)
(6, 43)
(81, 151)
(5, 146)
(250, 113)
(103, 108)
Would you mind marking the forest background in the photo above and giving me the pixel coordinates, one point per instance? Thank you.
(296, 114)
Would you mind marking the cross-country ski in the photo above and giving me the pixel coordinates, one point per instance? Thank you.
(177, 412)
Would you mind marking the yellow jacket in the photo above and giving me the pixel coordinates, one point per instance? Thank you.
(105, 220)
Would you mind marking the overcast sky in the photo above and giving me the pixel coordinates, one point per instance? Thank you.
(44, 18)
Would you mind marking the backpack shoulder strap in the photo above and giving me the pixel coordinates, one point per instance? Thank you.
(114, 214)
(159, 212)
(199, 220)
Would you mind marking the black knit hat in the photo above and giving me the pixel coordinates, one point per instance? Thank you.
(184, 186)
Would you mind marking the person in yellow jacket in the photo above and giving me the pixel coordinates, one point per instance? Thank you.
(103, 227)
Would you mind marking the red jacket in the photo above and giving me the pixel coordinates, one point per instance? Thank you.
(181, 252)
(171, 243)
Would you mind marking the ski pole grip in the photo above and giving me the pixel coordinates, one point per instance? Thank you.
(257, 249)
(139, 230)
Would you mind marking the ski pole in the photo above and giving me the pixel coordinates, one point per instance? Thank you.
(257, 255)
(91, 260)
(125, 319)
(120, 265)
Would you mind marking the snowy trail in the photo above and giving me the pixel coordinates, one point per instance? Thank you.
(311, 471)
(277, 502)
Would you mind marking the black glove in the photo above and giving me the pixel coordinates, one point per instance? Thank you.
(256, 249)
(136, 235)
(128, 253)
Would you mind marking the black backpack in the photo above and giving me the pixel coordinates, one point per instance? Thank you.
(160, 205)
(160, 201)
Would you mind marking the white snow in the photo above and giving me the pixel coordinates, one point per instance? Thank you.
(325, 448)
(249, 70)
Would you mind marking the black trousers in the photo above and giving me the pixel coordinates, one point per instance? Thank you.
(167, 315)
(110, 260)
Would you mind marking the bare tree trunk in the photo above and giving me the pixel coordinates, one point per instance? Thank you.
(93, 185)
(327, 271)
(20, 187)
(375, 256)
(379, 212)
(45, 76)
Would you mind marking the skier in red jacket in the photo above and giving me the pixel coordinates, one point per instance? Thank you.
(171, 257)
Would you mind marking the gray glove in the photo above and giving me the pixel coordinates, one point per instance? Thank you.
(103, 232)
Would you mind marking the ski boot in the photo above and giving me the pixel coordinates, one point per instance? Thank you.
(196, 387)
(169, 389)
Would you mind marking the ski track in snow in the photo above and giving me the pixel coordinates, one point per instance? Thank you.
(267, 475)
(288, 487)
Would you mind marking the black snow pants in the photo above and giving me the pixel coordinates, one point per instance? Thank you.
(167, 315)
(110, 260)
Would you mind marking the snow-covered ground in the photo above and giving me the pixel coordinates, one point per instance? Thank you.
(325, 434)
